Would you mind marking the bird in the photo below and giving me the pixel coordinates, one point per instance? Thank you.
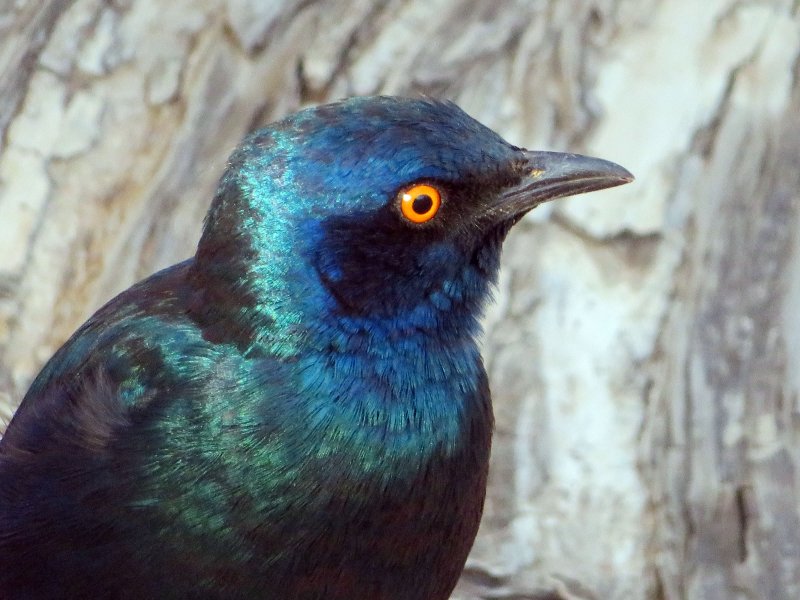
(300, 410)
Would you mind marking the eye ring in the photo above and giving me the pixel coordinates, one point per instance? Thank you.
(419, 203)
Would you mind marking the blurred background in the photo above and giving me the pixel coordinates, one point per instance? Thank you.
(645, 342)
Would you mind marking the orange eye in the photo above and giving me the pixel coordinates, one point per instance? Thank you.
(420, 203)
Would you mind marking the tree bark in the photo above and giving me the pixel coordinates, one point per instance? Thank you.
(641, 346)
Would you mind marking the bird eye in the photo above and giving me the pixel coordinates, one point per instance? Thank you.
(420, 202)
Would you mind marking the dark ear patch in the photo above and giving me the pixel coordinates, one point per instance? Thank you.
(380, 263)
(376, 262)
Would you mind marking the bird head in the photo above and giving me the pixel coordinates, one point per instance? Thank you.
(381, 208)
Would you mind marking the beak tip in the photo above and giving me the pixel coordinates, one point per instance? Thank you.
(625, 176)
(612, 173)
(622, 178)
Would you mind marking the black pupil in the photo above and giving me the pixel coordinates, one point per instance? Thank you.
(422, 204)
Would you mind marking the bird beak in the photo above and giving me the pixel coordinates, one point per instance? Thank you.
(550, 175)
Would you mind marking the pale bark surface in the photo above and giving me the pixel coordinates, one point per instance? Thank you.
(644, 343)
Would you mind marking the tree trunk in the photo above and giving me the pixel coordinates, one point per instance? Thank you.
(640, 349)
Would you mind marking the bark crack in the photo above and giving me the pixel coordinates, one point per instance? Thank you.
(743, 521)
(15, 75)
